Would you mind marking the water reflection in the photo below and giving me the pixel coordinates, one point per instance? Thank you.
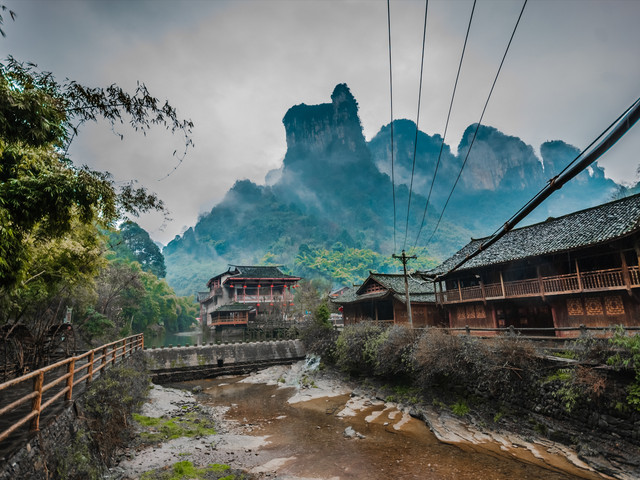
(193, 337)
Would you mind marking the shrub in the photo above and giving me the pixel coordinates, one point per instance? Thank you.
(319, 338)
(436, 358)
(628, 357)
(356, 348)
(588, 348)
(395, 351)
(110, 401)
(506, 363)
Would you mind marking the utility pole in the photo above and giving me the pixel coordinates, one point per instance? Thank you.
(404, 259)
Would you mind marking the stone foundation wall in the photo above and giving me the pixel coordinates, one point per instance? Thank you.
(37, 458)
(184, 363)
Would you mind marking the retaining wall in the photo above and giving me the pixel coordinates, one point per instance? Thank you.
(201, 361)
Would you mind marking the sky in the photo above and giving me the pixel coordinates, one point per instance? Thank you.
(234, 67)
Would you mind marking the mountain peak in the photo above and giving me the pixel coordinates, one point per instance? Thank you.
(343, 99)
(324, 130)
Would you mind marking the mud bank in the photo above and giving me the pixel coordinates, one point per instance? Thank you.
(260, 443)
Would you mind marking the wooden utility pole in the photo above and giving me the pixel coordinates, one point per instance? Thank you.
(404, 259)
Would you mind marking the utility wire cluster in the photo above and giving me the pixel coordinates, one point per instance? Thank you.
(478, 124)
(593, 151)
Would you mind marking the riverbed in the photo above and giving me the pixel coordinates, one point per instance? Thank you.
(291, 424)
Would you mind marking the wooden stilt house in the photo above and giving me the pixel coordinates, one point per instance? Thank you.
(381, 298)
(579, 269)
(237, 296)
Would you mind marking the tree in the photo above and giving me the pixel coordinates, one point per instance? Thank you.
(133, 242)
(42, 192)
(53, 212)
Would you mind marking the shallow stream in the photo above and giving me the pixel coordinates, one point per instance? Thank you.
(306, 440)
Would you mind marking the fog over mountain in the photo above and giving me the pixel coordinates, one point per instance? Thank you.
(333, 196)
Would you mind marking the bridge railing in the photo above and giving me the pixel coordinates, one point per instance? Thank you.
(80, 368)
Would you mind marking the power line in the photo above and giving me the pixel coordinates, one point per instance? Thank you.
(475, 133)
(617, 129)
(516, 217)
(415, 142)
(444, 136)
(393, 182)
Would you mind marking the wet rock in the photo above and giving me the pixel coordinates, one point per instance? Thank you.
(349, 432)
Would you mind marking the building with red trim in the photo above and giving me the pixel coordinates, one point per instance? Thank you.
(240, 294)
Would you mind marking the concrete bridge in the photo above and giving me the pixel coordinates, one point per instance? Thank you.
(202, 361)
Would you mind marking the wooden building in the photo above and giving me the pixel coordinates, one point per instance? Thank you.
(381, 298)
(237, 296)
(579, 269)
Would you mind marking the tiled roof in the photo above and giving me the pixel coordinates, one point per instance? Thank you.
(416, 298)
(395, 283)
(255, 271)
(348, 296)
(581, 229)
(419, 290)
(235, 307)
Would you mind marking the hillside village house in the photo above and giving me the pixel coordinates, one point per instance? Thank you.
(579, 269)
(238, 295)
(381, 298)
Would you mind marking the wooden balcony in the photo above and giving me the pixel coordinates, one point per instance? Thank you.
(594, 281)
(264, 299)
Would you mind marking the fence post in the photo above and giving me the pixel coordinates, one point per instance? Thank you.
(467, 329)
(104, 360)
(90, 372)
(124, 351)
(37, 401)
(70, 370)
(114, 353)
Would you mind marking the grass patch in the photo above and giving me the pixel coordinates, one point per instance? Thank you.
(561, 375)
(565, 354)
(187, 425)
(460, 408)
(186, 470)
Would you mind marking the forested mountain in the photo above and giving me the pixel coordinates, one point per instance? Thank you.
(329, 210)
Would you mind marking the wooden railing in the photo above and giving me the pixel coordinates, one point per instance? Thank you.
(90, 362)
(599, 280)
(548, 334)
(265, 299)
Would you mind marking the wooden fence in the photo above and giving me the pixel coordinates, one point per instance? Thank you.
(79, 369)
(534, 333)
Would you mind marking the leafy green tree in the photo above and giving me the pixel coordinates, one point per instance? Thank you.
(53, 212)
(309, 295)
(134, 243)
(322, 314)
(42, 192)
